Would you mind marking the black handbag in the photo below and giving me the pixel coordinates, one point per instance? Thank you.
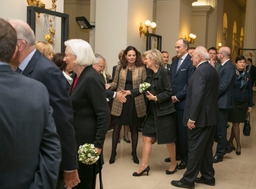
(247, 126)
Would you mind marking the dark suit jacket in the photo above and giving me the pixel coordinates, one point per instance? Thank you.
(180, 80)
(30, 147)
(45, 71)
(91, 111)
(227, 79)
(252, 73)
(202, 97)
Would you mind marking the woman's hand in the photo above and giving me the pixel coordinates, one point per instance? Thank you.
(249, 109)
(107, 86)
(150, 96)
(98, 150)
(126, 92)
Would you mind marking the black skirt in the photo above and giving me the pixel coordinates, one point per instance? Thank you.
(238, 114)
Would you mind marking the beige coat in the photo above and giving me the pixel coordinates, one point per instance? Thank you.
(138, 77)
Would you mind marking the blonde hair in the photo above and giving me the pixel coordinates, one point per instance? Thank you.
(44, 47)
(155, 55)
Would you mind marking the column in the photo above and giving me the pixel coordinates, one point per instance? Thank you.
(250, 25)
(117, 25)
(200, 19)
(173, 18)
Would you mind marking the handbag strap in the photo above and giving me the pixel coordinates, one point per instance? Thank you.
(248, 116)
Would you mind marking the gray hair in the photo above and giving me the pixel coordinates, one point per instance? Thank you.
(23, 31)
(155, 55)
(98, 57)
(203, 52)
(82, 50)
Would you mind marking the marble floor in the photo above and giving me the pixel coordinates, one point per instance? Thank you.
(235, 172)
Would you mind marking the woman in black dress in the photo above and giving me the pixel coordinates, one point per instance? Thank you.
(242, 93)
(129, 74)
(159, 124)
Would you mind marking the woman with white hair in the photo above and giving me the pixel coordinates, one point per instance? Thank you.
(91, 111)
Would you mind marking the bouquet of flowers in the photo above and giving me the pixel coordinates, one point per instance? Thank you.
(87, 154)
(144, 86)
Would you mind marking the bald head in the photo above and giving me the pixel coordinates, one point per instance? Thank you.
(224, 53)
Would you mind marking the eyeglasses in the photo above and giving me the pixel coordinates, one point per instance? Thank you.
(102, 67)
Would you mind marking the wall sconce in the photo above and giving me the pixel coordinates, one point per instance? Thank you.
(145, 29)
(84, 23)
(220, 45)
(191, 38)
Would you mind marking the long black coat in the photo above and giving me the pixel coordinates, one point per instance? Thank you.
(91, 112)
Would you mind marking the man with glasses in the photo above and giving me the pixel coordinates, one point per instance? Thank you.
(99, 66)
(225, 102)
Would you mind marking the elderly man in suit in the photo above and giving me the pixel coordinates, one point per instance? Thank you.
(31, 63)
(30, 147)
(181, 71)
(99, 66)
(227, 78)
(201, 117)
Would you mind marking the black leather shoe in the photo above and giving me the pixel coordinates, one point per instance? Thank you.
(202, 180)
(167, 159)
(228, 150)
(217, 159)
(182, 165)
(180, 184)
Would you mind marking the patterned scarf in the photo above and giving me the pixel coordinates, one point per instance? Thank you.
(242, 78)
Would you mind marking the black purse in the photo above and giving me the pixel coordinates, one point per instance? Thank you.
(247, 126)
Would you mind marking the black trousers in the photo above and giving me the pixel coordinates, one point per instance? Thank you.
(221, 133)
(200, 142)
(182, 136)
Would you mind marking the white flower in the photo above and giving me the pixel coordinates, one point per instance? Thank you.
(144, 86)
(88, 154)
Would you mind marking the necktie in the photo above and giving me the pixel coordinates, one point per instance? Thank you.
(179, 63)
(18, 70)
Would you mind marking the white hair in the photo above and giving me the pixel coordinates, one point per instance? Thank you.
(82, 50)
(203, 52)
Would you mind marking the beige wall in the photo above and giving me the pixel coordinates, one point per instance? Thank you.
(76, 8)
(13, 9)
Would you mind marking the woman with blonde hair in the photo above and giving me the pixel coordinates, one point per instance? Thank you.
(159, 124)
(45, 48)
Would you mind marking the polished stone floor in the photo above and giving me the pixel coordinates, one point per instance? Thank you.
(235, 172)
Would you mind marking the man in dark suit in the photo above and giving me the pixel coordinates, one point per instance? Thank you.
(166, 64)
(227, 78)
(201, 117)
(30, 147)
(251, 69)
(181, 71)
(213, 58)
(99, 66)
(35, 65)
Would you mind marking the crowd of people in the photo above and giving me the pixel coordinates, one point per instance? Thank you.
(60, 102)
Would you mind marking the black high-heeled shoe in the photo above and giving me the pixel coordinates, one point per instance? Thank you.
(135, 158)
(112, 158)
(146, 170)
(127, 140)
(171, 172)
(238, 152)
